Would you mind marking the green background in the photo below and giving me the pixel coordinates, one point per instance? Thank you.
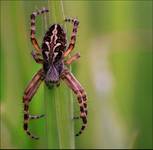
(115, 42)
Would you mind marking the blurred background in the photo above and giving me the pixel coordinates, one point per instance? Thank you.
(115, 42)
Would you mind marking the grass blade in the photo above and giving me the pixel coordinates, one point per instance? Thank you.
(58, 101)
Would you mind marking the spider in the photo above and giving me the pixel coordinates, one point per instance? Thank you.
(54, 68)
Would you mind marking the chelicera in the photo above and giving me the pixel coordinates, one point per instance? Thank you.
(52, 56)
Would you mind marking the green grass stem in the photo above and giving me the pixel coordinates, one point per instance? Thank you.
(58, 101)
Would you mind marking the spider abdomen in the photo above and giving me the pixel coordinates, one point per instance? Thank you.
(54, 42)
(53, 47)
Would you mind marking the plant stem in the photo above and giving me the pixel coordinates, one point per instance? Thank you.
(58, 101)
(52, 138)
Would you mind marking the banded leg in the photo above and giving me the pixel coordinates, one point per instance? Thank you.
(28, 94)
(36, 116)
(72, 59)
(71, 81)
(36, 57)
(33, 30)
(73, 36)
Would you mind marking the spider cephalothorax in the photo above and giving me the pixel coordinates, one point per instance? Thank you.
(51, 55)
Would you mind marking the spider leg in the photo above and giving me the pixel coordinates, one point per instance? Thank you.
(73, 36)
(72, 59)
(33, 28)
(28, 94)
(71, 81)
(36, 57)
(36, 116)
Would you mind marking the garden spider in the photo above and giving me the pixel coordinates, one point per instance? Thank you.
(51, 55)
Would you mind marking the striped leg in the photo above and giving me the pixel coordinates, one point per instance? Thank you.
(72, 59)
(73, 36)
(71, 81)
(33, 31)
(36, 57)
(28, 94)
